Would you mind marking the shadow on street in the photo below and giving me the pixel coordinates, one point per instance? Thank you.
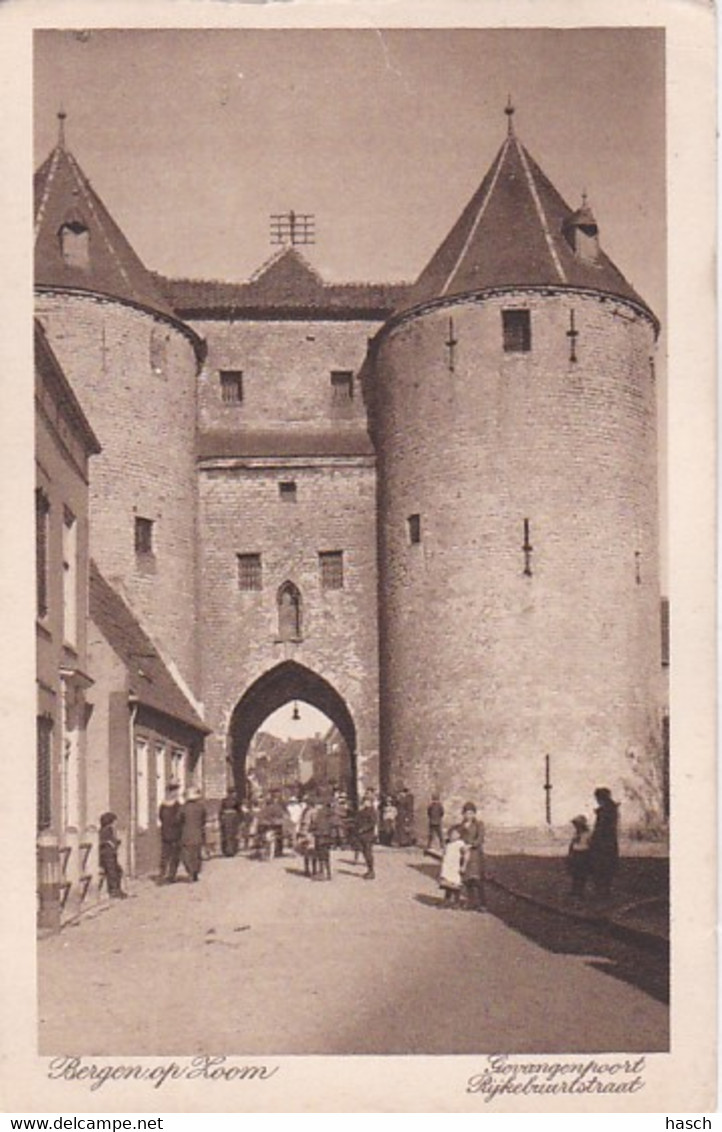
(619, 958)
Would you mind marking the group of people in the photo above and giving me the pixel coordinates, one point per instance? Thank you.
(182, 826)
(182, 834)
(462, 865)
(317, 824)
(594, 853)
(312, 827)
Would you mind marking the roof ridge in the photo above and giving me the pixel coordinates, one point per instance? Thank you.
(540, 211)
(480, 213)
(54, 160)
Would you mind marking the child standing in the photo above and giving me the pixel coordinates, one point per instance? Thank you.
(451, 866)
(108, 844)
(579, 860)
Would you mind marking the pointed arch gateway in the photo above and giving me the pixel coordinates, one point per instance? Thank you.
(285, 682)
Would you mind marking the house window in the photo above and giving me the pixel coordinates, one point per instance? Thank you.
(331, 565)
(289, 612)
(414, 525)
(42, 510)
(341, 386)
(231, 386)
(143, 535)
(517, 331)
(44, 733)
(161, 777)
(249, 572)
(141, 784)
(287, 491)
(70, 578)
(178, 767)
(75, 244)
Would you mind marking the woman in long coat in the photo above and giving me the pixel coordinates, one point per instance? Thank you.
(193, 835)
(472, 874)
(604, 844)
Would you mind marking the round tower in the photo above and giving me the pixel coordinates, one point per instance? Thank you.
(133, 365)
(514, 410)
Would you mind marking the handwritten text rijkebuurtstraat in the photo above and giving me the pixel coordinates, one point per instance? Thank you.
(505, 1077)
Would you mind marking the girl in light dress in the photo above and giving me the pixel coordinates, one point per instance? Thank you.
(452, 864)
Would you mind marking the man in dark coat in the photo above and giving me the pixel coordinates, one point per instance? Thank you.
(193, 834)
(435, 814)
(366, 832)
(604, 845)
(472, 872)
(170, 816)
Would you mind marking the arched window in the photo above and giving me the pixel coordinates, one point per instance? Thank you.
(289, 612)
(75, 244)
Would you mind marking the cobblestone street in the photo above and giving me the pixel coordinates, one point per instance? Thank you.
(257, 959)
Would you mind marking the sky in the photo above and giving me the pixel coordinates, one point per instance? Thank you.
(193, 138)
(311, 722)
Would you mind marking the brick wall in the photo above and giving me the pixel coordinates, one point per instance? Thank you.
(286, 373)
(241, 511)
(142, 406)
(485, 671)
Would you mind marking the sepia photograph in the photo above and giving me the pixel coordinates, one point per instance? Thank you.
(349, 552)
(351, 592)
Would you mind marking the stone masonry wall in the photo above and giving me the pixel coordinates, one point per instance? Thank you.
(242, 512)
(286, 370)
(134, 376)
(485, 670)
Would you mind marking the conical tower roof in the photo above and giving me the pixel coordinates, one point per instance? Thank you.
(516, 231)
(64, 199)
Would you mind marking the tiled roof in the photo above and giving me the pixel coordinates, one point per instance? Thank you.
(63, 195)
(287, 284)
(513, 233)
(227, 444)
(150, 680)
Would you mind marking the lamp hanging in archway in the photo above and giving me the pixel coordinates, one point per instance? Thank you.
(296, 715)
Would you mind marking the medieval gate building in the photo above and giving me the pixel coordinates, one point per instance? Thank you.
(428, 510)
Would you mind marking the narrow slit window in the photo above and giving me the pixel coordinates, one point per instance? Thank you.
(231, 386)
(250, 575)
(143, 535)
(287, 491)
(516, 325)
(414, 529)
(289, 612)
(331, 565)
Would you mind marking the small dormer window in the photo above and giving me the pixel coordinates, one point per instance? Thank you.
(75, 244)
(582, 233)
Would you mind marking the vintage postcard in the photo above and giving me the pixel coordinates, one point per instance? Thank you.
(359, 368)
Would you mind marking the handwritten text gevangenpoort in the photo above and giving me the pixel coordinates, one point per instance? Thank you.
(504, 1076)
(198, 1068)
